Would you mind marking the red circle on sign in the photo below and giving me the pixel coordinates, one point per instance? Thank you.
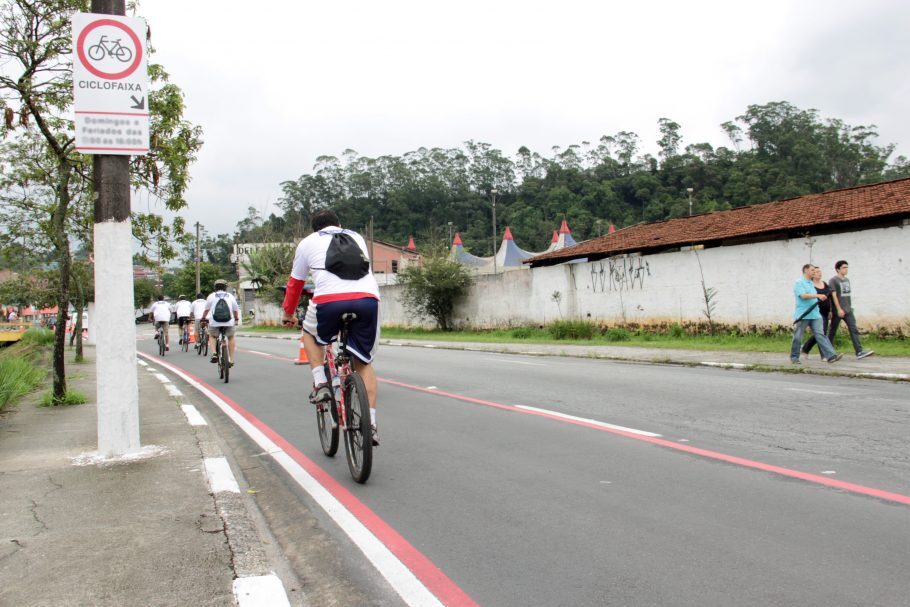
(80, 50)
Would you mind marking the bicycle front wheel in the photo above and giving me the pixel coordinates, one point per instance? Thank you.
(327, 423)
(358, 435)
(225, 362)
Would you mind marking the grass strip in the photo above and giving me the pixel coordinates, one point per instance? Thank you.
(18, 376)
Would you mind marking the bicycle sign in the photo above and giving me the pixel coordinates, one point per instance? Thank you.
(110, 84)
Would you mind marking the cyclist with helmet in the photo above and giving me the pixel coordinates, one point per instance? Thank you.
(348, 286)
(221, 313)
(183, 308)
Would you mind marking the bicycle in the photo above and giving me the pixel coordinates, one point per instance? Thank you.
(348, 410)
(202, 340)
(113, 48)
(223, 352)
(185, 340)
(159, 336)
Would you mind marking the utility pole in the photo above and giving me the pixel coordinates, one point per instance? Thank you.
(689, 190)
(117, 383)
(198, 289)
(493, 193)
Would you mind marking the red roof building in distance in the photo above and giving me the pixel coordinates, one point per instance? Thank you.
(860, 207)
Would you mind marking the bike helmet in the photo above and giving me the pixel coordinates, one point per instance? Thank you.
(220, 283)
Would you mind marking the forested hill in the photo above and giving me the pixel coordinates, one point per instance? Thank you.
(776, 151)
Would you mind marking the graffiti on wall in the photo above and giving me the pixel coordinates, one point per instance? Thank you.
(619, 274)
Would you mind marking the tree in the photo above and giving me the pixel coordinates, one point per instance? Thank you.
(46, 183)
(269, 268)
(433, 289)
(144, 293)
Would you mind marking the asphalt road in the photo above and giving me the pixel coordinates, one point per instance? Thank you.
(521, 507)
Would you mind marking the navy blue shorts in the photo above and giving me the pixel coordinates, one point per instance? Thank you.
(323, 321)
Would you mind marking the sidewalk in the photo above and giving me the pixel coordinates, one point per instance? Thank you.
(876, 367)
(162, 527)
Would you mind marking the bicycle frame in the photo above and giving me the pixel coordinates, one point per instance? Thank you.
(339, 366)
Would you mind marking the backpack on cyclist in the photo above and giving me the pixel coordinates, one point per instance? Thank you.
(221, 312)
(345, 259)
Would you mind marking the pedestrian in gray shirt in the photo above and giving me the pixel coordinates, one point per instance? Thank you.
(843, 308)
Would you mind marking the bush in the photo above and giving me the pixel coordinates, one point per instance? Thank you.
(676, 331)
(18, 376)
(571, 329)
(44, 337)
(72, 397)
(617, 334)
(523, 333)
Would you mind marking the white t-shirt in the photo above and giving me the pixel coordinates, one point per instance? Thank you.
(198, 308)
(184, 308)
(210, 306)
(161, 311)
(310, 259)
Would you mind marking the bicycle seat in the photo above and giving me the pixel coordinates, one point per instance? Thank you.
(348, 317)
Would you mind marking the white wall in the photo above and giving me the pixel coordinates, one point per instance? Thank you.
(754, 285)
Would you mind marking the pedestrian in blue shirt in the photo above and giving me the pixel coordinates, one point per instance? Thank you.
(807, 315)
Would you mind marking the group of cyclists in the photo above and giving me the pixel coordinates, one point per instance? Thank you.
(337, 261)
(217, 312)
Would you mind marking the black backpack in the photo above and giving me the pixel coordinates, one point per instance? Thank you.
(221, 311)
(345, 259)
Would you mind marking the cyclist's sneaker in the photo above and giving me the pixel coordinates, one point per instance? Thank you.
(321, 393)
(865, 353)
(213, 359)
(375, 436)
(835, 358)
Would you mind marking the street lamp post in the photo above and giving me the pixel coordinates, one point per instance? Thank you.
(493, 193)
(690, 190)
(450, 233)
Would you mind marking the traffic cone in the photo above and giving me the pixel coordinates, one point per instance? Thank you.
(301, 355)
(192, 333)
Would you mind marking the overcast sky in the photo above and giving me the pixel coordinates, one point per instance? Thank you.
(275, 85)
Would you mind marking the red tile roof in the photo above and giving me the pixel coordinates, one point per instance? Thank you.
(839, 207)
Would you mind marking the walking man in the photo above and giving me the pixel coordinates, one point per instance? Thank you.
(843, 308)
(807, 315)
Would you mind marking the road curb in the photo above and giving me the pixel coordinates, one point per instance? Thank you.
(653, 360)
(255, 583)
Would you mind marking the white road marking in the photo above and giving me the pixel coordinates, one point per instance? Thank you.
(260, 591)
(588, 421)
(815, 391)
(162, 378)
(259, 353)
(220, 476)
(432, 388)
(172, 390)
(515, 362)
(193, 416)
(829, 472)
(142, 362)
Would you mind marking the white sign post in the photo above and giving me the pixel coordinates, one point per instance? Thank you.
(110, 84)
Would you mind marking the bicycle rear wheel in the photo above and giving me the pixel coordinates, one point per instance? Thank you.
(327, 423)
(186, 341)
(358, 435)
(162, 343)
(225, 361)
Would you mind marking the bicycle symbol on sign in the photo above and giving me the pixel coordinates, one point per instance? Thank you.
(112, 48)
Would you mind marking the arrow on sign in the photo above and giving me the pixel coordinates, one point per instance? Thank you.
(140, 103)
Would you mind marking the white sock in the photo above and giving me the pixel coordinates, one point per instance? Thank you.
(319, 375)
(373, 417)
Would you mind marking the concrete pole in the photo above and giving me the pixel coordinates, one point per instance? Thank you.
(493, 193)
(118, 393)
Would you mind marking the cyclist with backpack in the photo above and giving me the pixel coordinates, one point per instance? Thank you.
(338, 262)
(221, 313)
